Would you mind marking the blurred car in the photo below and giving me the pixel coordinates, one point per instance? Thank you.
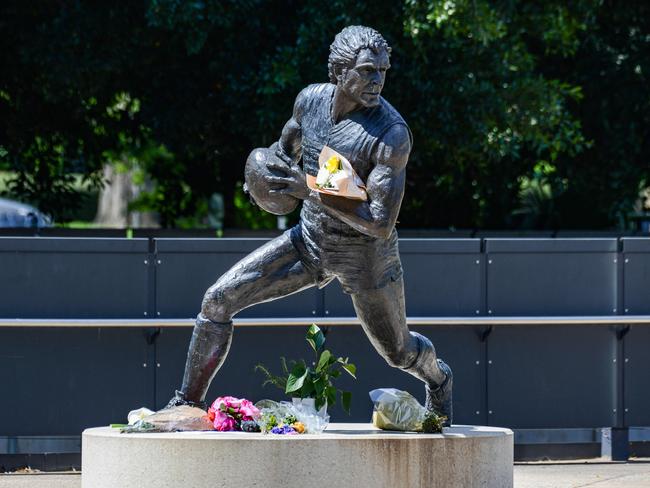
(16, 214)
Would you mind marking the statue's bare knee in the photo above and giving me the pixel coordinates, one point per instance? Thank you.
(218, 304)
(402, 357)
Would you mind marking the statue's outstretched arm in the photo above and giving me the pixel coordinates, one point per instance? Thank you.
(289, 149)
(290, 143)
(385, 188)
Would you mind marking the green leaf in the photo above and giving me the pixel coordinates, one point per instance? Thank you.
(324, 360)
(319, 385)
(330, 394)
(297, 378)
(271, 379)
(315, 337)
(319, 402)
(350, 368)
(283, 364)
(346, 399)
(308, 390)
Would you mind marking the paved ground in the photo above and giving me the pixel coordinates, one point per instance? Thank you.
(634, 474)
(46, 480)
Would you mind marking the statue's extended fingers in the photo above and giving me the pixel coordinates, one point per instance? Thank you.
(280, 180)
(284, 157)
(278, 166)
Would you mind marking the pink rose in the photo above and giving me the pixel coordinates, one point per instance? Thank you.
(223, 422)
(226, 412)
(221, 403)
(230, 401)
(249, 411)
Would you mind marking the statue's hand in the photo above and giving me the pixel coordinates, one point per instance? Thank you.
(294, 180)
(282, 155)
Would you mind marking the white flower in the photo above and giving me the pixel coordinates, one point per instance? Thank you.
(136, 415)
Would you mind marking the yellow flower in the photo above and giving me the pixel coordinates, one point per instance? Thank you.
(298, 427)
(333, 164)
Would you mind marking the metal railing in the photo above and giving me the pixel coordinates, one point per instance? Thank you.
(335, 321)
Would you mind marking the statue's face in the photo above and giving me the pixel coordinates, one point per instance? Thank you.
(363, 83)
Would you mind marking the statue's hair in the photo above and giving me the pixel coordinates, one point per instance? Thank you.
(348, 43)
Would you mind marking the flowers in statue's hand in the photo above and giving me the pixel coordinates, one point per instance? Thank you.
(330, 175)
(336, 176)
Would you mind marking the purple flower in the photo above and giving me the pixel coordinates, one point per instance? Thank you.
(285, 429)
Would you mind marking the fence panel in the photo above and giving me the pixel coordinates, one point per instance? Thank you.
(551, 376)
(73, 278)
(636, 255)
(637, 379)
(185, 268)
(442, 277)
(59, 382)
(551, 276)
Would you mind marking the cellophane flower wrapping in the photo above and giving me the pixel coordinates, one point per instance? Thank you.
(396, 410)
(277, 415)
(227, 413)
(174, 419)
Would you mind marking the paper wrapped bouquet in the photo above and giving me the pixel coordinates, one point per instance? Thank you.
(337, 177)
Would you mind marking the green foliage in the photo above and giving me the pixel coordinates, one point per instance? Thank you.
(271, 379)
(433, 423)
(250, 215)
(316, 380)
(611, 65)
(46, 177)
(315, 337)
(538, 196)
(492, 116)
(491, 90)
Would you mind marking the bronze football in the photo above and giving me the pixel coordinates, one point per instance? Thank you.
(256, 175)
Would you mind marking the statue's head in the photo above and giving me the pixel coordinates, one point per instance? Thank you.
(359, 58)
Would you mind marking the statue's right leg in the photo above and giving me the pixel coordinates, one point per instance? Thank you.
(382, 313)
(272, 271)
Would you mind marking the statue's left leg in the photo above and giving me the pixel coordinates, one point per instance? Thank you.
(383, 318)
(270, 272)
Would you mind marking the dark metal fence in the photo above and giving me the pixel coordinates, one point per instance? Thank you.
(511, 367)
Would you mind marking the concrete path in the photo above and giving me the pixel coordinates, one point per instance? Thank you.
(41, 480)
(634, 474)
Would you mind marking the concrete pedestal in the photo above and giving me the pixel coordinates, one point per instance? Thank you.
(345, 455)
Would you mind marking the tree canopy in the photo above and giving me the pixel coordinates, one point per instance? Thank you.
(524, 114)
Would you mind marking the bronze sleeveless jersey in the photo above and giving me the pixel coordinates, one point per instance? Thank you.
(329, 247)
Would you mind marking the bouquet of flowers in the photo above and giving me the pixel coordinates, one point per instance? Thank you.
(330, 174)
(336, 176)
(288, 425)
(229, 413)
(399, 410)
(290, 418)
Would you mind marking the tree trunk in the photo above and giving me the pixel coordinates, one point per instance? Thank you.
(114, 198)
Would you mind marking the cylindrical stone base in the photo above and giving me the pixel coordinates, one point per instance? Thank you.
(345, 455)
